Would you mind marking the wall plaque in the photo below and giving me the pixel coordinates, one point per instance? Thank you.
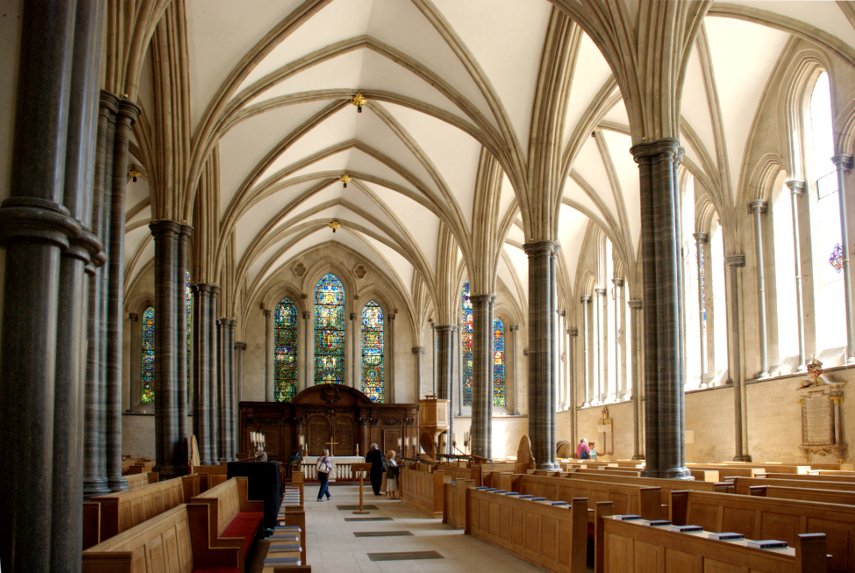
(822, 415)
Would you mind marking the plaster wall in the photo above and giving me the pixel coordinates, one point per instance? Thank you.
(138, 435)
(589, 420)
(507, 432)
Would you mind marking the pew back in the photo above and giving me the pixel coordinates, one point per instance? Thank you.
(628, 498)
(823, 495)
(741, 485)
(770, 518)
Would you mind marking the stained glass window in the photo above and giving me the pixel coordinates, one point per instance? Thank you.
(285, 350)
(836, 258)
(147, 375)
(372, 351)
(466, 341)
(329, 330)
(498, 362)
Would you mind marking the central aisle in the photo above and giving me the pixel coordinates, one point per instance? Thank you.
(340, 544)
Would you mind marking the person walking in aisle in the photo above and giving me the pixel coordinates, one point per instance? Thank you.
(324, 468)
(378, 466)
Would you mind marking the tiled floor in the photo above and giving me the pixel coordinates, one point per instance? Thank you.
(333, 547)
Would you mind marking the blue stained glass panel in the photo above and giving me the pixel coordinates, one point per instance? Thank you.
(499, 362)
(466, 340)
(329, 330)
(148, 355)
(285, 350)
(373, 384)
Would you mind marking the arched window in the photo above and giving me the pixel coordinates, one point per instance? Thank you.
(785, 280)
(691, 286)
(825, 221)
(372, 352)
(285, 350)
(718, 301)
(466, 356)
(499, 398)
(148, 356)
(329, 330)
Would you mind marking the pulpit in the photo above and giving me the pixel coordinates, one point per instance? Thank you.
(433, 420)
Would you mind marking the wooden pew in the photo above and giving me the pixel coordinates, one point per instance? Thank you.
(211, 475)
(741, 485)
(819, 477)
(227, 516)
(823, 495)
(770, 518)
(548, 536)
(697, 474)
(423, 490)
(638, 546)
(454, 502)
(141, 479)
(122, 510)
(162, 544)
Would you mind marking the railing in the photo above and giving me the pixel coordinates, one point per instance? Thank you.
(341, 471)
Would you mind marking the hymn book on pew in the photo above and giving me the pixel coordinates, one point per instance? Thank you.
(766, 543)
(687, 528)
(726, 535)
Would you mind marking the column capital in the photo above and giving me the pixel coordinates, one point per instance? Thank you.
(585, 299)
(618, 281)
(796, 186)
(842, 161)
(215, 290)
(186, 230)
(758, 206)
(108, 104)
(38, 219)
(735, 260)
(128, 110)
(133, 317)
(352, 316)
(446, 327)
(514, 327)
(480, 299)
(655, 151)
(227, 322)
(541, 248)
(164, 226)
(267, 312)
(391, 316)
(600, 291)
(418, 349)
(240, 345)
(305, 315)
(201, 287)
(701, 238)
(635, 304)
(573, 331)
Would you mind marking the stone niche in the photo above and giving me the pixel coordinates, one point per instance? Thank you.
(822, 419)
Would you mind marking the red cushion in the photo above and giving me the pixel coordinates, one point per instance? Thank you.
(245, 524)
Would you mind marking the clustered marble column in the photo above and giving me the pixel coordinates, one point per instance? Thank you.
(620, 339)
(202, 370)
(49, 256)
(213, 383)
(701, 241)
(637, 407)
(307, 337)
(482, 374)
(542, 363)
(239, 350)
(389, 360)
(759, 208)
(355, 351)
(227, 442)
(445, 373)
(843, 163)
(419, 353)
(269, 367)
(734, 263)
(181, 364)
(573, 333)
(601, 345)
(663, 287)
(587, 342)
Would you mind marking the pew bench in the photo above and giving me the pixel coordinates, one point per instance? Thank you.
(227, 517)
(549, 536)
(423, 490)
(162, 544)
(636, 545)
(140, 480)
(120, 511)
(742, 485)
(823, 495)
(771, 518)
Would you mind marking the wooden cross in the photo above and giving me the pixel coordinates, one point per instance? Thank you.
(331, 444)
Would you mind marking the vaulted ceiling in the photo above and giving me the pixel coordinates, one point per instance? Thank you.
(444, 136)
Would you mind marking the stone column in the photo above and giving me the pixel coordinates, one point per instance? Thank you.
(561, 351)
(445, 372)
(758, 208)
(603, 389)
(620, 339)
(482, 374)
(637, 411)
(542, 363)
(797, 193)
(307, 336)
(844, 163)
(587, 338)
(214, 378)
(35, 229)
(513, 407)
(433, 371)
(734, 263)
(226, 410)
(269, 382)
(231, 405)
(125, 119)
(663, 287)
(239, 349)
(573, 332)
(356, 352)
(701, 240)
(95, 423)
(389, 351)
(202, 370)
(182, 366)
(419, 353)
(166, 412)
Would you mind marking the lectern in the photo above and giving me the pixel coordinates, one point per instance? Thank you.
(433, 420)
(360, 468)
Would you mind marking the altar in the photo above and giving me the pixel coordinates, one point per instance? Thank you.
(341, 466)
(329, 416)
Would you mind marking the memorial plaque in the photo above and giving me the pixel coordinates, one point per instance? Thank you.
(818, 415)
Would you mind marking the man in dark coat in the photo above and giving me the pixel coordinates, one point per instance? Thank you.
(378, 466)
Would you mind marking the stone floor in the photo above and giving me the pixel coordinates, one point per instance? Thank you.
(335, 548)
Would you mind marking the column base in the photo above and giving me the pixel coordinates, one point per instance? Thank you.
(165, 472)
(638, 457)
(118, 484)
(549, 466)
(670, 473)
(742, 458)
(95, 487)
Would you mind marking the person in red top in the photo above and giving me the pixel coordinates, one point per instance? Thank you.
(583, 452)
